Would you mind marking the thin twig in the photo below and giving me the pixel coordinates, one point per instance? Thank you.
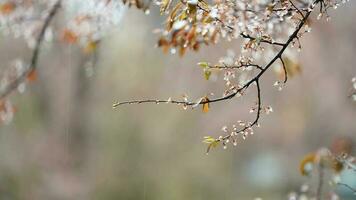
(258, 114)
(347, 186)
(298, 10)
(239, 66)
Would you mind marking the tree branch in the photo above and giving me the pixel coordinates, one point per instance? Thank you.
(34, 59)
(239, 66)
(239, 90)
(255, 122)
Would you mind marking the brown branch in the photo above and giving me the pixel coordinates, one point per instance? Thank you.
(34, 59)
(256, 79)
(239, 90)
(225, 138)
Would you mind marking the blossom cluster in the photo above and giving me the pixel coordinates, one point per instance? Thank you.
(269, 33)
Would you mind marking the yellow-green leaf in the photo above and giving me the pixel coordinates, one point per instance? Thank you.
(212, 142)
(207, 74)
(203, 64)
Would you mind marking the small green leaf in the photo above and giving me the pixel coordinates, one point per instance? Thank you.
(212, 142)
(208, 139)
(203, 64)
(207, 74)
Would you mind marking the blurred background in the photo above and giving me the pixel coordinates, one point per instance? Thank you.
(67, 142)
